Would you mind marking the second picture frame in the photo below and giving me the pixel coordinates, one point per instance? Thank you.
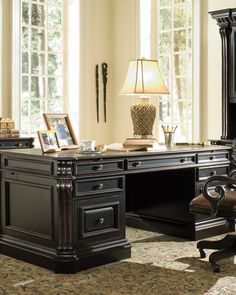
(62, 125)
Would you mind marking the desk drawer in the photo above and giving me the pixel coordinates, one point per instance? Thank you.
(213, 157)
(204, 173)
(98, 166)
(140, 163)
(99, 219)
(99, 185)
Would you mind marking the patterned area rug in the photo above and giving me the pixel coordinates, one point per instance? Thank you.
(160, 265)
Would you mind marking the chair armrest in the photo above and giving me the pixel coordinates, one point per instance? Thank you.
(219, 189)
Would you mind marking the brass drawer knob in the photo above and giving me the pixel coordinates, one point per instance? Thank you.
(211, 157)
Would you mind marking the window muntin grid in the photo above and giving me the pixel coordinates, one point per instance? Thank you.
(42, 67)
(174, 22)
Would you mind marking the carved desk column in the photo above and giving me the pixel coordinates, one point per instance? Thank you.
(66, 259)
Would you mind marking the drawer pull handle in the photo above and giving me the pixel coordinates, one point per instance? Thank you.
(137, 164)
(101, 220)
(98, 186)
(98, 167)
(213, 173)
(183, 160)
(211, 157)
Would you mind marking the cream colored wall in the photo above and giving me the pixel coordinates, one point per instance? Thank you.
(110, 34)
(96, 45)
(5, 85)
(125, 47)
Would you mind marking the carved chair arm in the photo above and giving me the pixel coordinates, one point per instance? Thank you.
(220, 191)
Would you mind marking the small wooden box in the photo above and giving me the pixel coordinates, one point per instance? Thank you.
(6, 123)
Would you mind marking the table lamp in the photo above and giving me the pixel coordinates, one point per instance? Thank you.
(143, 79)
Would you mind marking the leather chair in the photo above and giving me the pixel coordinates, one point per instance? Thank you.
(218, 199)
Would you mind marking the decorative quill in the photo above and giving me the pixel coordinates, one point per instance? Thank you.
(104, 79)
(97, 91)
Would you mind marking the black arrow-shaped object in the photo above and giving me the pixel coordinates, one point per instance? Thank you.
(97, 92)
(104, 79)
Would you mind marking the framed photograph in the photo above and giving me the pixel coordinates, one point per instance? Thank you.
(62, 125)
(49, 141)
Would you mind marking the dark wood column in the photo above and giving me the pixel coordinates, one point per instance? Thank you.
(226, 20)
(66, 259)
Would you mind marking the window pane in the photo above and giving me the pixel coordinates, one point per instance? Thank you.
(165, 112)
(180, 64)
(54, 64)
(38, 63)
(25, 13)
(25, 110)
(163, 3)
(180, 1)
(25, 62)
(165, 63)
(54, 2)
(165, 43)
(180, 17)
(179, 88)
(38, 39)
(54, 41)
(179, 40)
(37, 15)
(25, 87)
(25, 38)
(25, 129)
(54, 18)
(35, 127)
(189, 39)
(165, 19)
(37, 87)
(37, 107)
(55, 87)
(55, 106)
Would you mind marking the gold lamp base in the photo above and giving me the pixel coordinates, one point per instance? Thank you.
(143, 114)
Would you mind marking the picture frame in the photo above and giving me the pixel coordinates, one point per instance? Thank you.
(62, 125)
(48, 141)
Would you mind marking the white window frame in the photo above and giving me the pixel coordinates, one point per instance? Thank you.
(196, 37)
(71, 73)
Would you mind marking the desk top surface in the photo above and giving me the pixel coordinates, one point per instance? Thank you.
(75, 154)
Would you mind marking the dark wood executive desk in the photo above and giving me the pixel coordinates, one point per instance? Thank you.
(68, 211)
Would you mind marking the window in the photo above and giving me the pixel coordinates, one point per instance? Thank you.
(175, 58)
(172, 34)
(42, 68)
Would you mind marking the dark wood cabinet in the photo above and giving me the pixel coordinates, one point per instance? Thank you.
(226, 20)
(67, 211)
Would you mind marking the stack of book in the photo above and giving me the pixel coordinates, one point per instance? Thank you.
(140, 144)
(9, 133)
